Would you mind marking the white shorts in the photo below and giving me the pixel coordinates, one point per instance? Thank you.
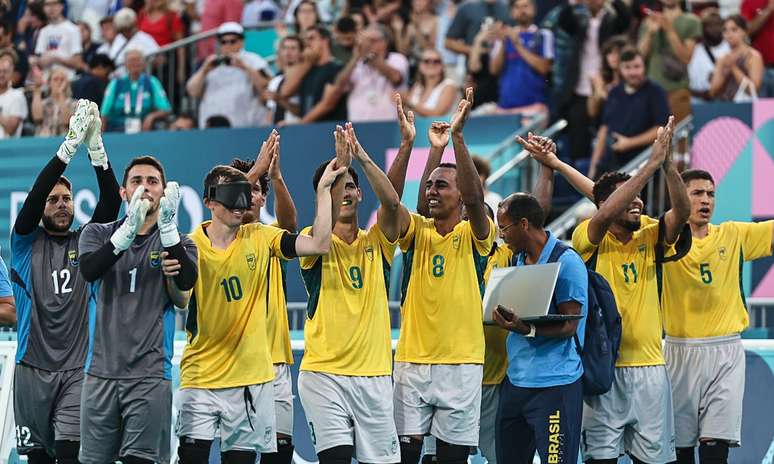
(635, 417)
(707, 377)
(283, 399)
(441, 399)
(490, 396)
(242, 417)
(349, 410)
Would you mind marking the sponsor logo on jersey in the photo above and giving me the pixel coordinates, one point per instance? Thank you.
(72, 256)
(155, 258)
(250, 261)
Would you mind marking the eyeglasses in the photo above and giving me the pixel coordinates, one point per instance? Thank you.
(431, 61)
(228, 41)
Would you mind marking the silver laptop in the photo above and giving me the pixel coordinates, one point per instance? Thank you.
(527, 290)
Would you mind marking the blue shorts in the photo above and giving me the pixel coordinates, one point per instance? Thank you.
(544, 419)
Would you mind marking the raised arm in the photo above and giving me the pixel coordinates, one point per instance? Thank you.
(109, 203)
(264, 158)
(284, 208)
(624, 195)
(438, 134)
(393, 218)
(545, 147)
(320, 241)
(468, 183)
(677, 216)
(549, 160)
(397, 172)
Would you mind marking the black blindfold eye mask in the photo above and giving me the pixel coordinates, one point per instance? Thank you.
(234, 195)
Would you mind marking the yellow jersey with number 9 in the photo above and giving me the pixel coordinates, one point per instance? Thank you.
(630, 269)
(347, 330)
(227, 338)
(495, 353)
(703, 294)
(443, 283)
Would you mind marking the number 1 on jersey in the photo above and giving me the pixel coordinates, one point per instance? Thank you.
(133, 280)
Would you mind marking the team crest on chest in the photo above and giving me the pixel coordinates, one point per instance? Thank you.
(456, 241)
(369, 251)
(722, 252)
(155, 258)
(250, 261)
(72, 257)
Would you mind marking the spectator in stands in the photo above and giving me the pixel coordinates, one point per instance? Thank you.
(52, 114)
(372, 77)
(22, 64)
(305, 17)
(29, 26)
(161, 23)
(344, 37)
(760, 17)
(738, 74)
(59, 42)
(634, 110)
(217, 121)
(284, 110)
(214, 14)
(608, 77)
(522, 58)
(467, 23)
(134, 39)
(13, 105)
(230, 83)
(183, 122)
(135, 102)
(109, 34)
(666, 40)
(484, 83)
(419, 33)
(432, 93)
(589, 24)
(484, 169)
(706, 54)
(257, 12)
(89, 48)
(92, 84)
(315, 74)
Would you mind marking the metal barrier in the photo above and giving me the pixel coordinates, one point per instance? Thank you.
(655, 189)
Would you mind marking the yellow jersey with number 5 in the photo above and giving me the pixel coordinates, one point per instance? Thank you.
(703, 295)
(227, 335)
(443, 283)
(347, 329)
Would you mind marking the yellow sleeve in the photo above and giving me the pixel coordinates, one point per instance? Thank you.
(581, 242)
(408, 238)
(756, 238)
(484, 246)
(273, 237)
(388, 247)
(307, 261)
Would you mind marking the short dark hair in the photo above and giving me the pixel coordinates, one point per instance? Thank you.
(293, 38)
(606, 185)
(482, 166)
(145, 160)
(64, 181)
(105, 20)
(696, 174)
(737, 19)
(217, 120)
(318, 173)
(7, 27)
(245, 166)
(222, 174)
(102, 60)
(322, 30)
(524, 205)
(629, 53)
(36, 9)
(346, 24)
(448, 165)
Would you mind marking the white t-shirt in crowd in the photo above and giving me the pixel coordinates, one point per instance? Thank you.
(229, 92)
(371, 95)
(140, 41)
(273, 86)
(701, 66)
(13, 103)
(62, 39)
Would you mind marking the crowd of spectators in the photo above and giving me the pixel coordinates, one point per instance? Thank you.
(612, 68)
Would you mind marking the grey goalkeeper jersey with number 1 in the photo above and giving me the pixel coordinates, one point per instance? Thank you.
(132, 318)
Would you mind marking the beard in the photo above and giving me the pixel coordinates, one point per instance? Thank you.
(632, 226)
(50, 224)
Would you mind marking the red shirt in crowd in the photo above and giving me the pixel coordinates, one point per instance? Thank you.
(764, 39)
(164, 30)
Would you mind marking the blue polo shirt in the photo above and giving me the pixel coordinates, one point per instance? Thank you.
(541, 362)
(5, 282)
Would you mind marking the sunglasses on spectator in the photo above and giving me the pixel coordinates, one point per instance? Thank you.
(431, 61)
(228, 41)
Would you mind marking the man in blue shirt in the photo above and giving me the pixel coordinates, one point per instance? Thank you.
(7, 305)
(541, 398)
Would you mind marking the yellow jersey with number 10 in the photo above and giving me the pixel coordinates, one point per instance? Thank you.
(347, 330)
(496, 354)
(227, 340)
(443, 283)
(703, 294)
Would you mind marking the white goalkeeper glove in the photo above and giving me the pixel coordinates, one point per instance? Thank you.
(97, 152)
(135, 217)
(80, 122)
(167, 215)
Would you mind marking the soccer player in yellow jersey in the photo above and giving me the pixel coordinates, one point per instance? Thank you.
(345, 382)
(440, 353)
(636, 415)
(226, 374)
(704, 313)
(277, 317)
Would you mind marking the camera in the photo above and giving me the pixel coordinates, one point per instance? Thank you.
(222, 60)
